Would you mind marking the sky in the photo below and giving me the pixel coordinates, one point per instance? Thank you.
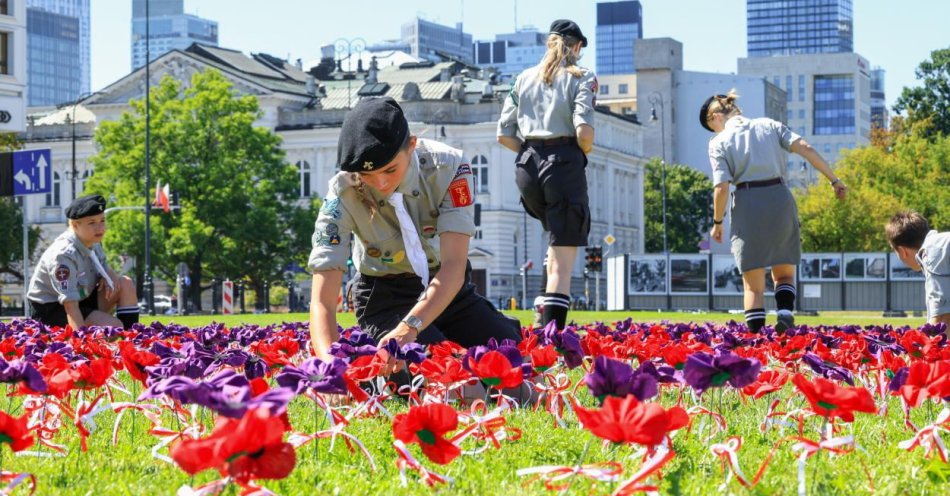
(896, 36)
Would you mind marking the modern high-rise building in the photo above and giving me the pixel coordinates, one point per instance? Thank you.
(618, 25)
(794, 27)
(511, 53)
(79, 10)
(879, 116)
(54, 69)
(169, 29)
(431, 41)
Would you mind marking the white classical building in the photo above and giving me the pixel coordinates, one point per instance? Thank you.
(440, 101)
(12, 66)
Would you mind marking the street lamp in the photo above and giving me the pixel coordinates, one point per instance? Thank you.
(655, 99)
(71, 120)
(348, 47)
(148, 285)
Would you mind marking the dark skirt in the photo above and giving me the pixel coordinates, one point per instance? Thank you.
(765, 228)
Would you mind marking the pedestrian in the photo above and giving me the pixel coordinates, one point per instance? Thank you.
(751, 153)
(405, 206)
(73, 283)
(928, 251)
(548, 121)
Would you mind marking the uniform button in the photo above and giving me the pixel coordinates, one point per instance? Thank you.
(431, 261)
(382, 203)
(422, 161)
(434, 213)
(415, 192)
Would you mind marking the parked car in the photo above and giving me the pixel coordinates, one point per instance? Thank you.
(163, 305)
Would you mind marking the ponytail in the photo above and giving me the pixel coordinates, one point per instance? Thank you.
(560, 56)
(725, 105)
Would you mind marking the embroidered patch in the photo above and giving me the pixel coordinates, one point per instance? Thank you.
(332, 229)
(334, 240)
(331, 207)
(64, 285)
(61, 273)
(373, 252)
(463, 169)
(461, 194)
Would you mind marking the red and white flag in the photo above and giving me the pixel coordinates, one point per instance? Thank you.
(161, 196)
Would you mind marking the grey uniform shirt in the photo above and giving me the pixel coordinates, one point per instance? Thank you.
(439, 193)
(934, 260)
(535, 110)
(66, 271)
(750, 150)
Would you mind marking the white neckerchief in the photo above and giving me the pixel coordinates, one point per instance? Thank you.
(410, 237)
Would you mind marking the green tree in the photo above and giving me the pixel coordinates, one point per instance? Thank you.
(11, 223)
(931, 102)
(239, 215)
(688, 207)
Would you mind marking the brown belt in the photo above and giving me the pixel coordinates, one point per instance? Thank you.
(759, 184)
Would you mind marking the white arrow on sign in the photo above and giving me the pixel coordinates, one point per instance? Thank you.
(24, 179)
(42, 165)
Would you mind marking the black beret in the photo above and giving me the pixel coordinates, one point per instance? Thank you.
(705, 110)
(372, 133)
(565, 27)
(86, 206)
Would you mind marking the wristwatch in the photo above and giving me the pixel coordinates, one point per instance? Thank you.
(717, 222)
(414, 322)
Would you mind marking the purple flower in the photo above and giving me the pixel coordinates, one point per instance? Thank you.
(353, 344)
(19, 371)
(898, 380)
(567, 343)
(703, 371)
(827, 370)
(412, 352)
(322, 377)
(609, 377)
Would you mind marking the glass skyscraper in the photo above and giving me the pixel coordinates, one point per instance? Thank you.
(169, 29)
(618, 25)
(796, 27)
(57, 73)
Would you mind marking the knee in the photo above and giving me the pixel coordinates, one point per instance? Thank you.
(127, 285)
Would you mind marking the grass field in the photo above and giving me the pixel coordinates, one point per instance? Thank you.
(130, 469)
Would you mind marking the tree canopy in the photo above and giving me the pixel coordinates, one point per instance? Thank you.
(688, 207)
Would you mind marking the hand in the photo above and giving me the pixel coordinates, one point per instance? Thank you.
(403, 334)
(106, 291)
(716, 233)
(840, 189)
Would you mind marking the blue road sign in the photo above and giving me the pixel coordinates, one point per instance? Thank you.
(31, 172)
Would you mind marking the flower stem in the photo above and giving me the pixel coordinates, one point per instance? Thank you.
(577, 464)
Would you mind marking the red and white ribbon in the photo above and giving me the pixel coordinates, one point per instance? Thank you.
(929, 437)
(660, 457)
(406, 461)
(14, 479)
(553, 475)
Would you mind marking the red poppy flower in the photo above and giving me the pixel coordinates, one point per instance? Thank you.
(675, 355)
(135, 360)
(627, 420)
(831, 400)
(94, 374)
(59, 376)
(446, 349)
(248, 448)
(926, 380)
(365, 368)
(277, 353)
(8, 349)
(767, 382)
(543, 358)
(427, 426)
(13, 431)
(442, 370)
(495, 369)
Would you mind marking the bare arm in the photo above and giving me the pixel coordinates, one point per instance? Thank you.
(73, 314)
(323, 295)
(441, 290)
(720, 199)
(585, 138)
(510, 142)
(801, 147)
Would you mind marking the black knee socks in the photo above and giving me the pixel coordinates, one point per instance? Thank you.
(785, 297)
(555, 308)
(755, 319)
(128, 316)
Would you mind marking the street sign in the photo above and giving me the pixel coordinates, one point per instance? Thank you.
(609, 239)
(31, 172)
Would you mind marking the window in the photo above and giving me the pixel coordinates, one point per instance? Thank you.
(480, 173)
(304, 167)
(4, 7)
(623, 89)
(4, 53)
(604, 89)
(478, 234)
(52, 198)
(86, 174)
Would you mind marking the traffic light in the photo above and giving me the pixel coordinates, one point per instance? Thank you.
(589, 258)
(594, 259)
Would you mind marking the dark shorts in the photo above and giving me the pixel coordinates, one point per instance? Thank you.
(553, 188)
(380, 303)
(54, 314)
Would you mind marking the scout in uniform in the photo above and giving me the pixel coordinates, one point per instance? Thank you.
(547, 119)
(73, 283)
(751, 153)
(928, 251)
(404, 207)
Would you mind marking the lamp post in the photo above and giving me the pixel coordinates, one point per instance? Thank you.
(348, 47)
(655, 99)
(148, 285)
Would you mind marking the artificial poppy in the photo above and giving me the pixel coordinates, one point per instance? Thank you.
(926, 380)
(445, 370)
(135, 360)
(427, 426)
(628, 420)
(495, 370)
(768, 382)
(830, 400)
(703, 371)
(14, 432)
(93, 374)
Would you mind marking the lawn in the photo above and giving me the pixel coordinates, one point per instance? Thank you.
(129, 467)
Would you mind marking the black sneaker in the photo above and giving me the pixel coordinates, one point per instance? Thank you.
(785, 322)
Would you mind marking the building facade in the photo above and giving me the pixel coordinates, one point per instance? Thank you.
(79, 10)
(54, 71)
(879, 115)
(169, 29)
(13, 66)
(619, 24)
(432, 41)
(828, 102)
(511, 53)
(618, 92)
(796, 27)
(440, 103)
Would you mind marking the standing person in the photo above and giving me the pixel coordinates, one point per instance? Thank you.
(928, 251)
(750, 153)
(73, 283)
(405, 206)
(551, 106)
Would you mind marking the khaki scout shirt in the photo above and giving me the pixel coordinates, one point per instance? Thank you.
(65, 271)
(439, 193)
(536, 110)
(751, 150)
